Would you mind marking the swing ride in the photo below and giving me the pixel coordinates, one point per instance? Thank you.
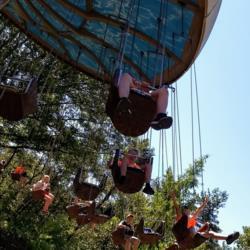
(104, 39)
(88, 212)
(20, 103)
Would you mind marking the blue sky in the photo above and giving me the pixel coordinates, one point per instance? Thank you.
(223, 80)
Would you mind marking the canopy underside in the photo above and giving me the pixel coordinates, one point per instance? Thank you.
(164, 36)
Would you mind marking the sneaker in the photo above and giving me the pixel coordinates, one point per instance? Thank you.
(162, 121)
(232, 237)
(148, 189)
(124, 106)
(122, 179)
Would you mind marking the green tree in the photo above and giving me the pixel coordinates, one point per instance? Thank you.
(244, 240)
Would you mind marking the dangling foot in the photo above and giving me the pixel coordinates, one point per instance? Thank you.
(162, 121)
(232, 237)
(148, 189)
(124, 106)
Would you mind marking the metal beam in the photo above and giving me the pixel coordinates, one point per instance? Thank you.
(188, 4)
(89, 4)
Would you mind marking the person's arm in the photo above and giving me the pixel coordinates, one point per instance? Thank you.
(176, 206)
(121, 225)
(109, 163)
(200, 208)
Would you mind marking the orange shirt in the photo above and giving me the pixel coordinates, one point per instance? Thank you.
(191, 222)
(20, 170)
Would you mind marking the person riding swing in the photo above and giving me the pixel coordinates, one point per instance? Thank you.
(130, 241)
(44, 186)
(160, 96)
(186, 232)
(129, 160)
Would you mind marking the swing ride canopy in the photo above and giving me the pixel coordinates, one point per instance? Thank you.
(164, 36)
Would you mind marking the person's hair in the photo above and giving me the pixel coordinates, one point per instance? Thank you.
(185, 207)
(46, 176)
(133, 150)
(130, 215)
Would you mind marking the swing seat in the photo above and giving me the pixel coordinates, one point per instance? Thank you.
(134, 181)
(16, 105)
(183, 236)
(180, 229)
(173, 247)
(38, 195)
(100, 218)
(192, 242)
(150, 238)
(73, 211)
(83, 219)
(85, 190)
(143, 110)
(197, 240)
(118, 236)
(83, 208)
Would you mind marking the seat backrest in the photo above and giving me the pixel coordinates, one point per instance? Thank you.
(16, 105)
(118, 236)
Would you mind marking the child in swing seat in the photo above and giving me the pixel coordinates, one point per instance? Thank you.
(188, 220)
(131, 242)
(44, 185)
(160, 96)
(129, 160)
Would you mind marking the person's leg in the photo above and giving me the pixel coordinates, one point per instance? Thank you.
(48, 199)
(161, 121)
(204, 227)
(148, 172)
(123, 169)
(135, 242)
(229, 239)
(125, 83)
(127, 244)
(161, 98)
(124, 105)
(92, 225)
